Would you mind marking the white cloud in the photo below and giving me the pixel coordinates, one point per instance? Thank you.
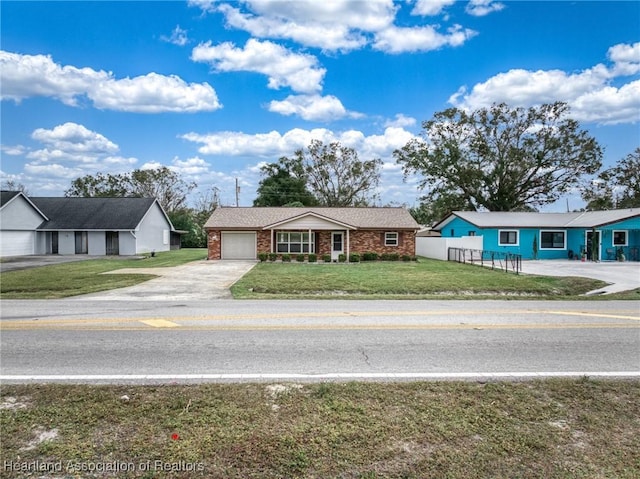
(275, 144)
(419, 39)
(15, 150)
(283, 67)
(401, 121)
(24, 76)
(480, 8)
(329, 24)
(430, 7)
(73, 138)
(312, 107)
(589, 92)
(178, 37)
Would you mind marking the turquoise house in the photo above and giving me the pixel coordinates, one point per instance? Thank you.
(555, 235)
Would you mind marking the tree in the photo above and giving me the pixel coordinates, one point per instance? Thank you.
(336, 176)
(12, 185)
(192, 220)
(284, 182)
(616, 187)
(162, 183)
(499, 158)
(431, 211)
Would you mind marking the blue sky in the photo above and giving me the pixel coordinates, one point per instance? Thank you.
(215, 89)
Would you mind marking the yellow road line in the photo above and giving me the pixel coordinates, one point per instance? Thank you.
(336, 314)
(160, 323)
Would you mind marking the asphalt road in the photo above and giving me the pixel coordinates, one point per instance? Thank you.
(159, 342)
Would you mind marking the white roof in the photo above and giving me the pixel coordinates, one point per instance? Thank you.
(510, 219)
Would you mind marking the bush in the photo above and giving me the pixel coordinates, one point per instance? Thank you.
(354, 258)
(263, 257)
(342, 258)
(286, 258)
(313, 257)
(394, 257)
(299, 258)
(326, 258)
(385, 257)
(370, 256)
(406, 257)
(273, 256)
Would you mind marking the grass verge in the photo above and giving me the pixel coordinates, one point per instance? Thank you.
(390, 280)
(551, 429)
(83, 277)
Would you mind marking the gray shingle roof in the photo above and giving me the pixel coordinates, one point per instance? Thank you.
(92, 213)
(6, 196)
(501, 219)
(253, 218)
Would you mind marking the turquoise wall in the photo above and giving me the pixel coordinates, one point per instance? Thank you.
(575, 239)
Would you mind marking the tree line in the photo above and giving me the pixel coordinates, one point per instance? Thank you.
(496, 159)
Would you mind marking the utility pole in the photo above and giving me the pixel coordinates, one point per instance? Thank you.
(237, 194)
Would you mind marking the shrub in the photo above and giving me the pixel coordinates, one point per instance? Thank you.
(263, 257)
(299, 258)
(385, 257)
(313, 257)
(273, 256)
(394, 257)
(370, 256)
(286, 258)
(326, 258)
(354, 258)
(342, 258)
(406, 257)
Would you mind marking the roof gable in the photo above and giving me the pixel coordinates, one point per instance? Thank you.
(7, 197)
(93, 213)
(309, 218)
(253, 218)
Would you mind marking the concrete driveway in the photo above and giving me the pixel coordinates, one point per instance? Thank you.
(13, 263)
(199, 280)
(621, 276)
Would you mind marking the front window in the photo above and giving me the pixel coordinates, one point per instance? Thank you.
(391, 239)
(619, 238)
(508, 238)
(552, 240)
(294, 242)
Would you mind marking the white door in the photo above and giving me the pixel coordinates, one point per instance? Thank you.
(238, 245)
(337, 245)
(16, 243)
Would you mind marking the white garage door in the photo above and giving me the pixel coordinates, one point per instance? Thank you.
(16, 243)
(236, 245)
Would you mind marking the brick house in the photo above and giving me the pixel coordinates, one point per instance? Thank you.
(242, 233)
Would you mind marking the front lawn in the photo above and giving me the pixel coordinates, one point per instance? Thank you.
(539, 429)
(83, 277)
(391, 280)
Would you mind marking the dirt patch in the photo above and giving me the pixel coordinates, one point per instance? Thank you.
(41, 435)
(12, 403)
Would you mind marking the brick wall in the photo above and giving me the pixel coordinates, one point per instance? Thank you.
(214, 243)
(264, 241)
(373, 240)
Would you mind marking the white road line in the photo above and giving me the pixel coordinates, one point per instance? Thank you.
(313, 377)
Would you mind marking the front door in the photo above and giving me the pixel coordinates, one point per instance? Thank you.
(113, 243)
(591, 253)
(337, 245)
(82, 246)
(53, 242)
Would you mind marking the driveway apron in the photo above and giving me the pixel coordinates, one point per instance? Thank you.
(199, 280)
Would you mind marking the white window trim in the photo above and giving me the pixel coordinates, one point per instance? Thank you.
(626, 237)
(388, 237)
(564, 245)
(517, 232)
(302, 242)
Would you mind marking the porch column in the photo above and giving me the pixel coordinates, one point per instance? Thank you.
(309, 241)
(347, 250)
(271, 237)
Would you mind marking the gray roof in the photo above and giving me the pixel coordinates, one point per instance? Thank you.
(6, 196)
(253, 218)
(92, 213)
(502, 219)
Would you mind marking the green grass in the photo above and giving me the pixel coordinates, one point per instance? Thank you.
(83, 277)
(393, 280)
(540, 429)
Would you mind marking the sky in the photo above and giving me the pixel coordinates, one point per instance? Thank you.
(216, 89)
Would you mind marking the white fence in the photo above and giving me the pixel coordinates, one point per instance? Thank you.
(437, 247)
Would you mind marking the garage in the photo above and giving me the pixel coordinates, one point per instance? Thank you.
(16, 243)
(238, 245)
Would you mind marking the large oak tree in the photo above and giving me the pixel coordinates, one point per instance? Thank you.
(616, 187)
(500, 158)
